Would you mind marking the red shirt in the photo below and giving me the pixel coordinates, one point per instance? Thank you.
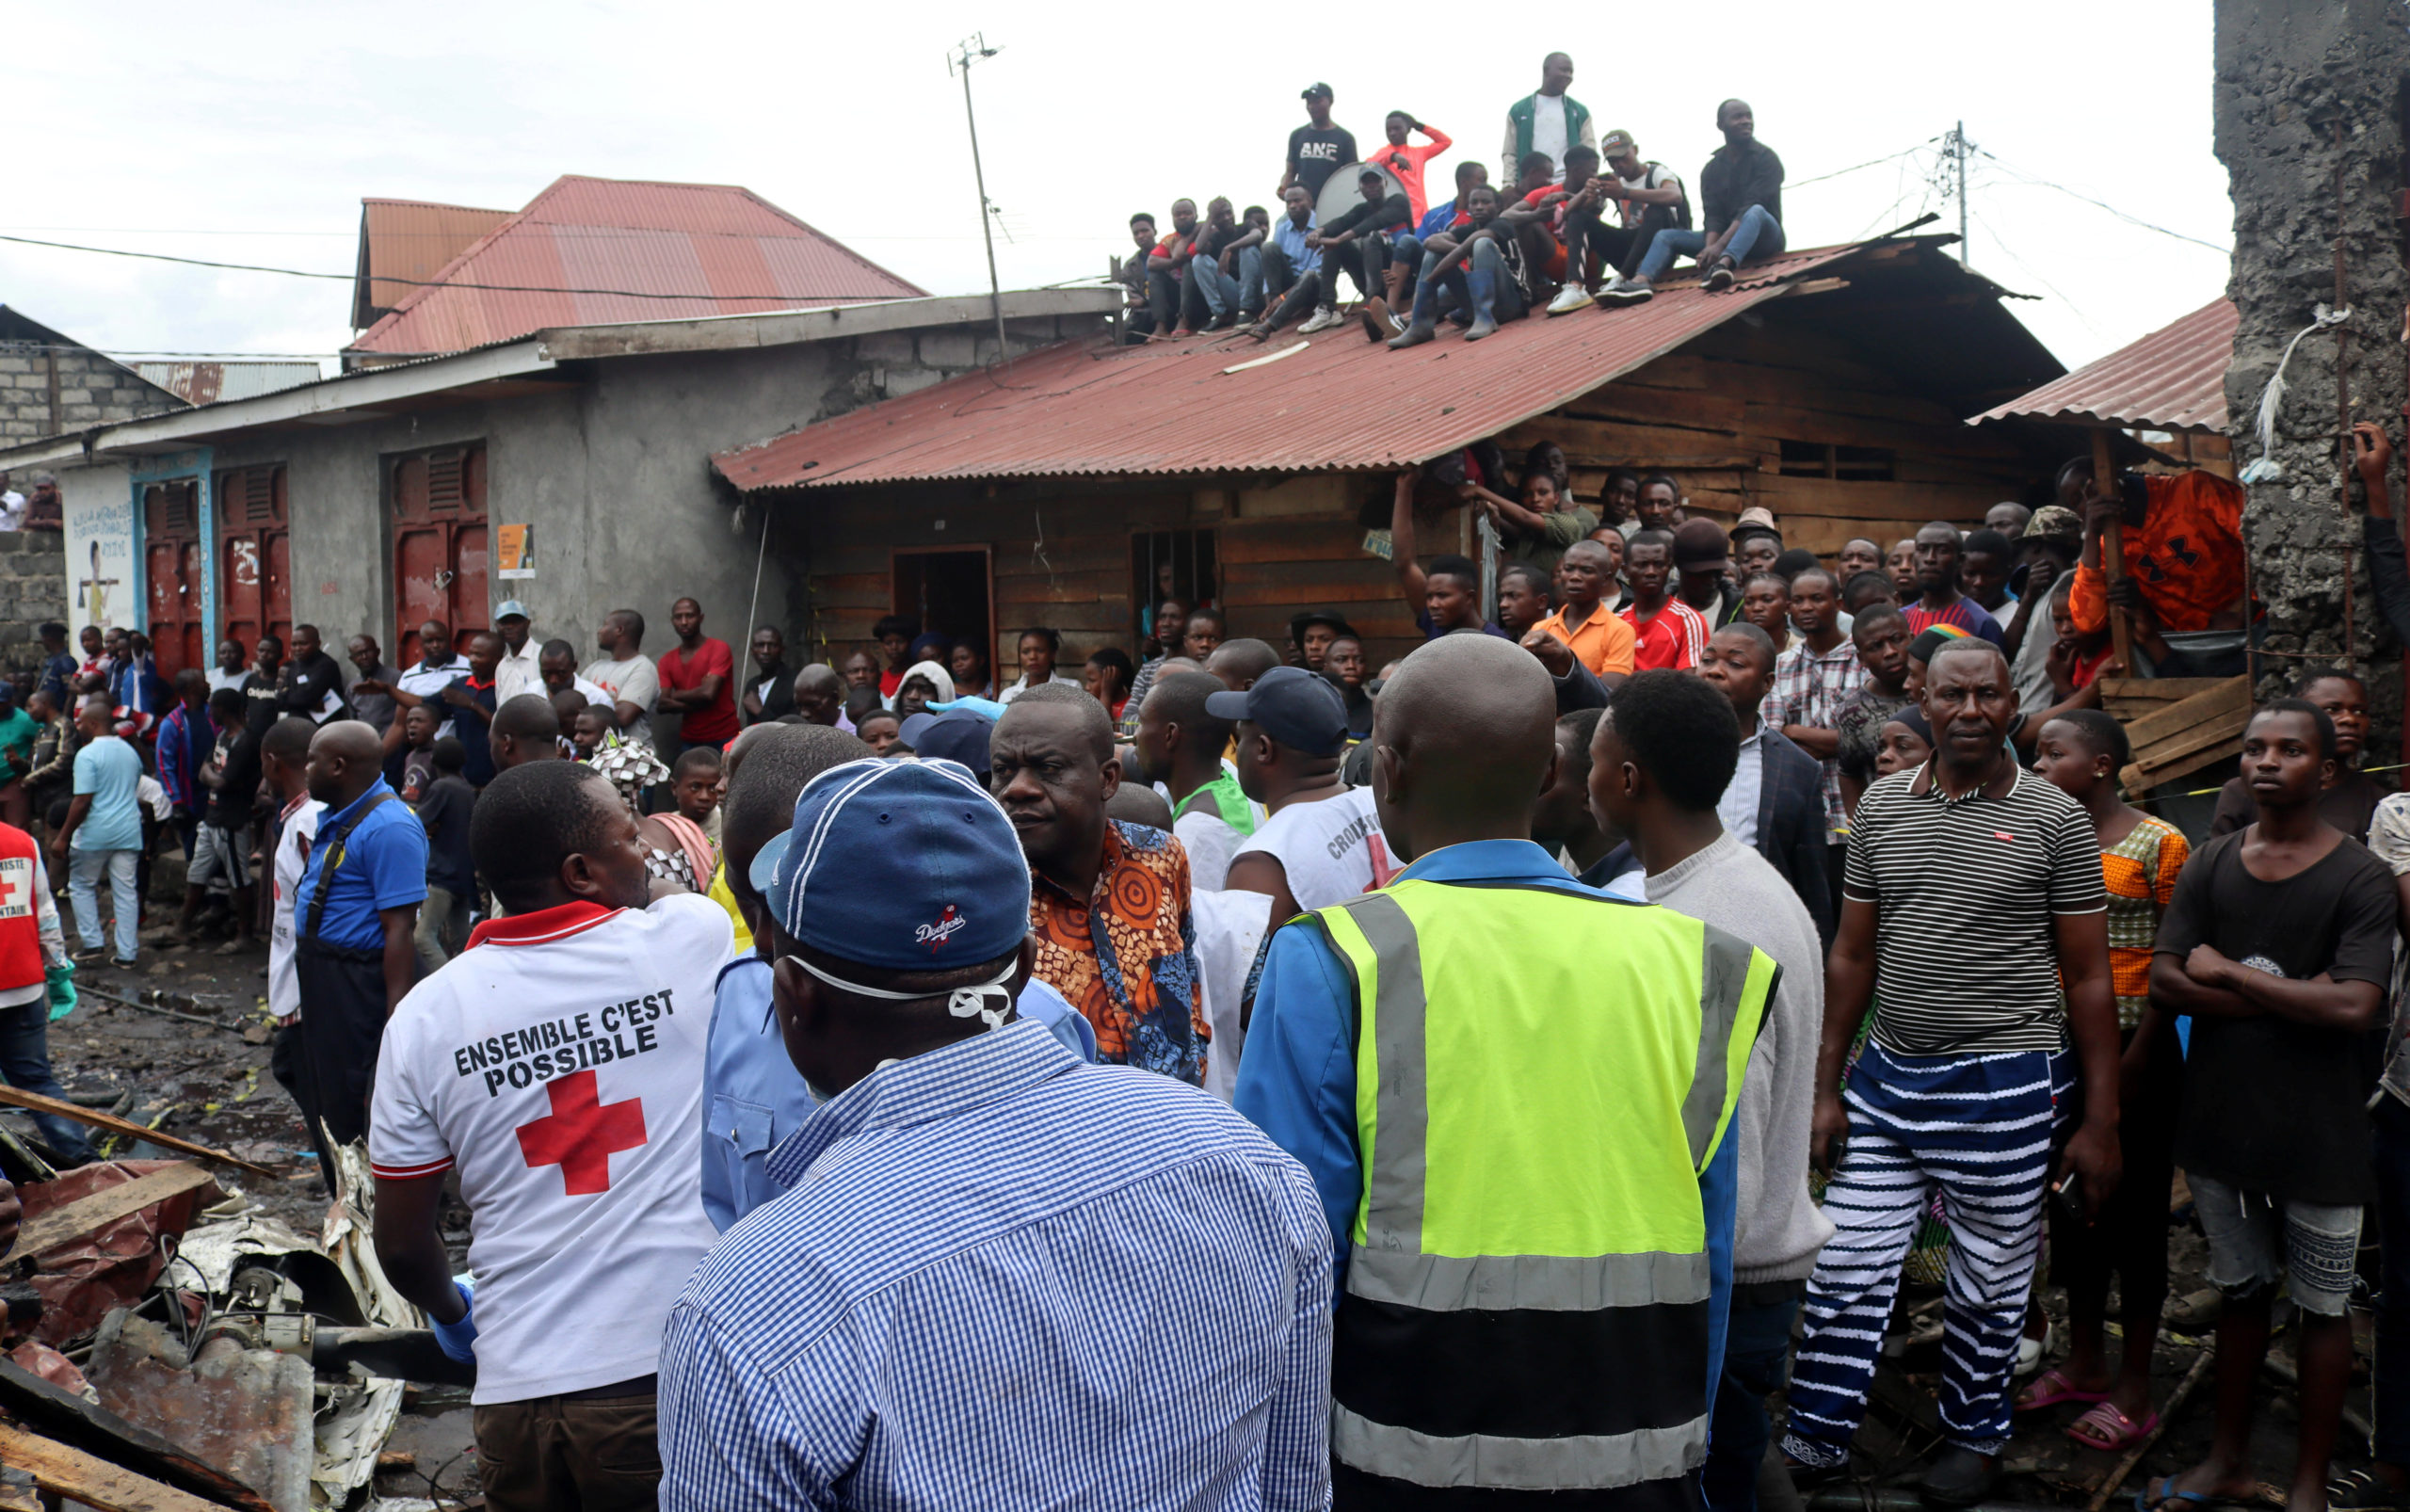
(1674, 639)
(1408, 162)
(717, 722)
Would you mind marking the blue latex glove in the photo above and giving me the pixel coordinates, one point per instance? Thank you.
(459, 1340)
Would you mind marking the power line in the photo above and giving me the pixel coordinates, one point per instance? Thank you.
(1872, 162)
(2074, 308)
(420, 284)
(2014, 171)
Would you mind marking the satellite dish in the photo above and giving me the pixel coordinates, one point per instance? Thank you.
(1340, 193)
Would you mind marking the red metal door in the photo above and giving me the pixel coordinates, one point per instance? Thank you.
(254, 550)
(171, 567)
(438, 544)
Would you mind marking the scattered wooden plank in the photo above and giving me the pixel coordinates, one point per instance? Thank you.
(90, 1214)
(36, 1102)
(94, 1482)
(2140, 779)
(2155, 691)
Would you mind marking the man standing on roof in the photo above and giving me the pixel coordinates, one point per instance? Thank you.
(1317, 149)
(1406, 162)
(1740, 195)
(1548, 121)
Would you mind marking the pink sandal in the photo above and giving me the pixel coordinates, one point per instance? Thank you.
(2051, 1388)
(2111, 1429)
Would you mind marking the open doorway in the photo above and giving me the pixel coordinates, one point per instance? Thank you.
(948, 590)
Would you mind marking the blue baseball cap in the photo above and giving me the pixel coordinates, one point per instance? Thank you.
(956, 736)
(510, 609)
(904, 864)
(1299, 709)
(975, 705)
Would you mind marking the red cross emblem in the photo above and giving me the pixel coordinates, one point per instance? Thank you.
(581, 1133)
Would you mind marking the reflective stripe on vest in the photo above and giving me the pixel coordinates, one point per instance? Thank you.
(1418, 1329)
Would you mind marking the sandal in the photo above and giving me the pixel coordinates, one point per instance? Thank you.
(2361, 1490)
(2052, 1388)
(2154, 1496)
(2110, 1429)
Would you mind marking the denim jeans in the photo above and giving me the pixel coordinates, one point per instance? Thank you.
(1756, 1347)
(24, 1064)
(84, 869)
(1225, 295)
(1754, 234)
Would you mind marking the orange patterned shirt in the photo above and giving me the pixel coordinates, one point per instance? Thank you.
(1126, 956)
(2140, 872)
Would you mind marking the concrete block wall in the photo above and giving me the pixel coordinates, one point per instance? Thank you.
(92, 390)
(2306, 87)
(33, 588)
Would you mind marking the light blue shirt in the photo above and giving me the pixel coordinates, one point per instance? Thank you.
(1000, 1278)
(1291, 238)
(110, 772)
(1738, 807)
(753, 1097)
(1297, 1079)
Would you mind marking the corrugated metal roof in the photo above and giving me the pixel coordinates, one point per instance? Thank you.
(2172, 379)
(1340, 404)
(404, 243)
(208, 382)
(741, 254)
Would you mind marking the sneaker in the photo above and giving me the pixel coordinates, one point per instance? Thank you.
(1379, 324)
(1625, 291)
(1570, 299)
(92, 956)
(1412, 337)
(1322, 318)
(1720, 277)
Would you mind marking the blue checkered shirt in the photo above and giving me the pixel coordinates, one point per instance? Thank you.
(1002, 1277)
(1812, 690)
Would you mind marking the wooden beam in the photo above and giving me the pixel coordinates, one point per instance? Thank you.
(90, 1214)
(2113, 550)
(36, 1102)
(2230, 696)
(88, 1479)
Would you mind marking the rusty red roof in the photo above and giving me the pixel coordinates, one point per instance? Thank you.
(406, 243)
(1330, 403)
(2172, 379)
(594, 252)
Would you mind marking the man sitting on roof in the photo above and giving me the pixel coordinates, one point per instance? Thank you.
(1169, 297)
(1740, 188)
(1355, 241)
(1499, 284)
(1291, 266)
(1647, 198)
(2183, 551)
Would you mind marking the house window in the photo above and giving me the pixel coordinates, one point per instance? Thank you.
(1172, 564)
(1857, 464)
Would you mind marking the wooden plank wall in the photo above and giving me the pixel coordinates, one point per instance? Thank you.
(1715, 414)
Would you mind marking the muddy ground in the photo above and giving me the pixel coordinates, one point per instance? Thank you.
(212, 1083)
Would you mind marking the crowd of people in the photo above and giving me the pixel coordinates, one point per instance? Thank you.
(1576, 219)
(1238, 1072)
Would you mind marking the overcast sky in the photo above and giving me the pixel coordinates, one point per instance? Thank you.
(249, 132)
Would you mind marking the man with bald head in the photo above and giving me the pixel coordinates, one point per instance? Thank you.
(1239, 663)
(818, 696)
(524, 728)
(1537, 1256)
(354, 916)
(1967, 1074)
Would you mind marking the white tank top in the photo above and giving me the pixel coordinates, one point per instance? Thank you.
(1331, 849)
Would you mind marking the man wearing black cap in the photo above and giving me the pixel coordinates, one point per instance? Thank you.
(1317, 149)
(982, 1284)
(1323, 842)
(1703, 568)
(1310, 634)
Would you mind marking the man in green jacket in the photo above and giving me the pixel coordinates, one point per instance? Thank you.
(1550, 122)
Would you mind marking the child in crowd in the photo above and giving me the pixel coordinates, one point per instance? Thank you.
(883, 731)
(2081, 753)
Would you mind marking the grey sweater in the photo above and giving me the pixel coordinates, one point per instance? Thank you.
(1729, 885)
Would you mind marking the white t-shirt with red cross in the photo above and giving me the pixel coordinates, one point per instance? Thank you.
(558, 1062)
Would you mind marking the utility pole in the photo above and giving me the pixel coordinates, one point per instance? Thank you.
(973, 49)
(1956, 147)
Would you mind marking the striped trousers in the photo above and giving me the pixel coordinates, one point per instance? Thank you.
(1980, 1129)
